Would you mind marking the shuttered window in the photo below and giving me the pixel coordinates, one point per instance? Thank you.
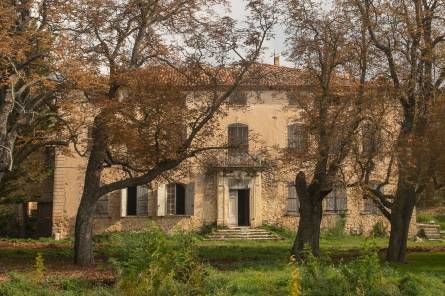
(89, 140)
(336, 200)
(298, 137)
(369, 205)
(180, 199)
(142, 200)
(136, 201)
(238, 138)
(238, 98)
(293, 203)
(102, 206)
(371, 138)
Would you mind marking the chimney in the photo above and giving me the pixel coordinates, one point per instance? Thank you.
(276, 60)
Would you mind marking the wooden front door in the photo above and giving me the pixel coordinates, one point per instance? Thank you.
(233, 207)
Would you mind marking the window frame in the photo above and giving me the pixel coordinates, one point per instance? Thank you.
(298, 137)
(241, 132)
(337, 194)
(294, 194)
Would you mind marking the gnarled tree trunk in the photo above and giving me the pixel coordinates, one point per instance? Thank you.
(401, 214)
(311, 211)
(83, 241)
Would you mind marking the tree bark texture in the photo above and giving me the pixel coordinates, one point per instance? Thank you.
(311, 211)
(401, 214)
(83, 241)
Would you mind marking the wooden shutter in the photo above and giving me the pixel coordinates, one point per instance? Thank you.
(161, 199)
(190, 199)
(142, 201)
(341, 199)
(124, 202)
(238, 136)
(102, 206)
(298, 137)
(291, 136)
(293, 204)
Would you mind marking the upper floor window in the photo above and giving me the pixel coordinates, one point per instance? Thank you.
(298, 137)
(371, 138)
(336, 200)
(293, 202)
(238, 139)
(238, 98)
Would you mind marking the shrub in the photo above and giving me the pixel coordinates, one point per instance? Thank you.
(425, 285)
(39, 268)
(364, 276)
(152, 263)
(338, 231)
(21, 284)
(424, 218)
(379, 230)
(207, 229)
(279, 230)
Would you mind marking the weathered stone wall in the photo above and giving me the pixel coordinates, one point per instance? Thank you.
(268, 119)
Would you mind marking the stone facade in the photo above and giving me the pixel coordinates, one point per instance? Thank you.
(212, 196)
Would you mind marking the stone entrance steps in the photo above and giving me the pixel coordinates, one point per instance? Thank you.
(242, 233)
(429, 231)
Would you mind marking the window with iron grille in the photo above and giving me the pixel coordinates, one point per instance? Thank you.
(238, 138)
(293, 203)
(298, 137)
(336, 200)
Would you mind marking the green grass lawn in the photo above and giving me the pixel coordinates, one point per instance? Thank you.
(245, 267)
(242, 264)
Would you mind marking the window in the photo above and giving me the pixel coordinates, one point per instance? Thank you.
(102, 206)
(299, 98)
(180, 199)
(293, 203)
(32, 209)
(335, 144)
(238, 98)
(298, 137)
(336, 200)
(369, 206)
(89, 139)
(135, 201)
(175, 199)
(238, 139)
(371, 138)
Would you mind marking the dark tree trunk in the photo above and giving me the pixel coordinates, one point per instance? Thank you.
(311, 212)
(83, 238)
(83, 242)
(401, 214)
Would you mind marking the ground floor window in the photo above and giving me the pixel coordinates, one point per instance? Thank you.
(293, 203)
(135, 201)
(179, 199)
(336, 200)
(102, 206)
(175, 199)
(369, 206)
